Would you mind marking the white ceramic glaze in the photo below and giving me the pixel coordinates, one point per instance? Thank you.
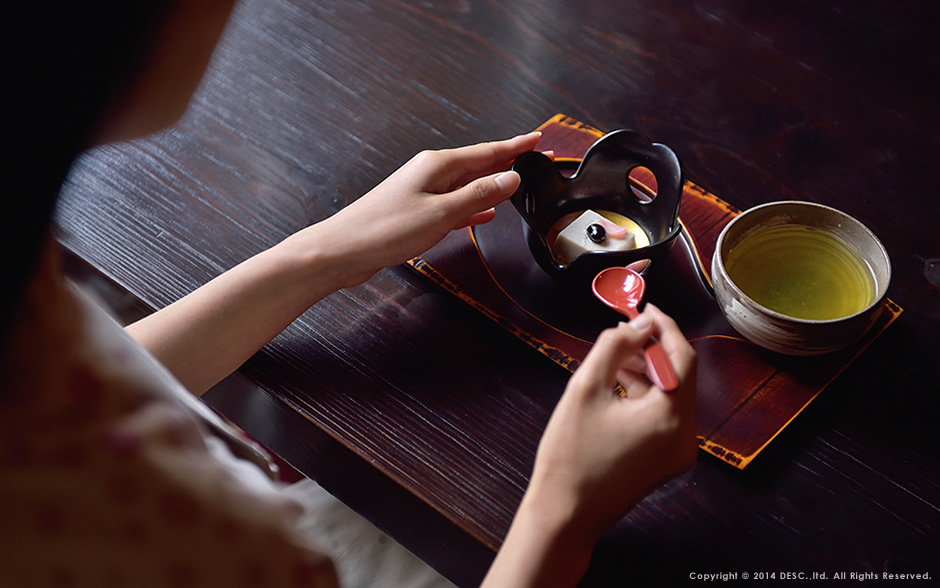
(785, 334)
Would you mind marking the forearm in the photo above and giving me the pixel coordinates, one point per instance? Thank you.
(208, 334)
(545, 546)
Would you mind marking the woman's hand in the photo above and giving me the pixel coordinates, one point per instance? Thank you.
(601, 453)
(415, 207)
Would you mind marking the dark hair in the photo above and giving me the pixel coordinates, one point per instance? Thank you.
(70, 60)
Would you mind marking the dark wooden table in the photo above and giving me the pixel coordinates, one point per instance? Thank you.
(422, 414)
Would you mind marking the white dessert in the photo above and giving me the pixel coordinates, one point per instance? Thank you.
(591, 232)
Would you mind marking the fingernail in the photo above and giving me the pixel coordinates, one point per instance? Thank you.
(642, 323)
(507, 181)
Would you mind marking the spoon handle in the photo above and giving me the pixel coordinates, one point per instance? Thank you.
(661, 372)
(657, 362)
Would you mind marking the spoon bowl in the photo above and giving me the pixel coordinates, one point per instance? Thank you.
(620, 288)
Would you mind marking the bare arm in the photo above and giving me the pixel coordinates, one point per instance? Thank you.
(209, 333)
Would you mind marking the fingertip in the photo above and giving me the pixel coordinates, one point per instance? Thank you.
(532, 135)
(661, 319)
(508, 181)
(530, 140)
(642, 323)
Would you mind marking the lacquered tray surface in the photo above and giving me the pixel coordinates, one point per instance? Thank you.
(746, 395)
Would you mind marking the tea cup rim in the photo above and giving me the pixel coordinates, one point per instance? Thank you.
(880, 294)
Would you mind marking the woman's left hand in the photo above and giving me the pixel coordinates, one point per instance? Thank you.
(415, 207)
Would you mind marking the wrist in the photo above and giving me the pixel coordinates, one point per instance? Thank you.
(560, 517)
(547, 545)
(325, 259)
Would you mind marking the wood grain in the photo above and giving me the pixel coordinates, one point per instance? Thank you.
(423, 414)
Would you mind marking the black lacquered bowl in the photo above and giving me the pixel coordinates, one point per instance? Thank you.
(602, 183)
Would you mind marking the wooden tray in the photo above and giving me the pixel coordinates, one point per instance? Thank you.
(746, 394)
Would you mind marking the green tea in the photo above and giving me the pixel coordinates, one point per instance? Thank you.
(802, 272)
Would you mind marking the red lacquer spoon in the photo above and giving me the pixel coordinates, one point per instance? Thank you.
(621, 288)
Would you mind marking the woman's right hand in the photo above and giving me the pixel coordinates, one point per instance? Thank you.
(601, 453)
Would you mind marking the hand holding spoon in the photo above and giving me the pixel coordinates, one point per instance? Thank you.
(621, 288)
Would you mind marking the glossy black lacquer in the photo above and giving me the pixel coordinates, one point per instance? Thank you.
(601, 182)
